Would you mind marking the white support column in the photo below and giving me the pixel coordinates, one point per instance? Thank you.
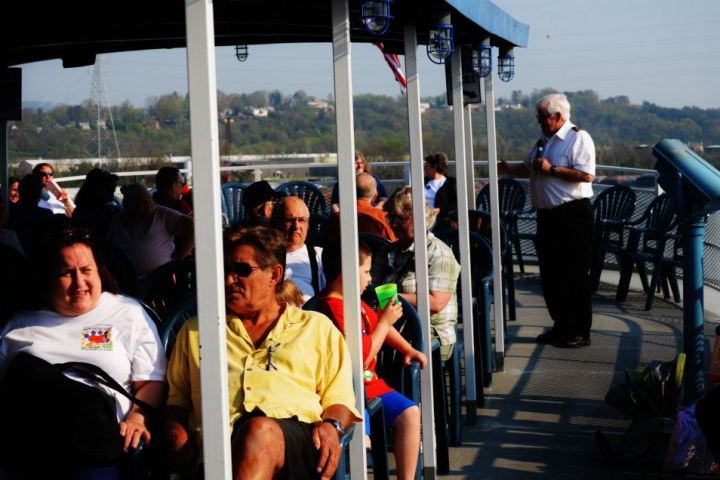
(463, 225)
(4, 156)
(495, 224)
(342, 67)
(469, 157)
(471, 386)
(208, 237)
(421, 256)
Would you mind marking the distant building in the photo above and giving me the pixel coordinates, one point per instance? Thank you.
(319, 105)
(260, 112)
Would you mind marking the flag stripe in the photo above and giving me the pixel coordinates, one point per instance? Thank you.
(393, 62)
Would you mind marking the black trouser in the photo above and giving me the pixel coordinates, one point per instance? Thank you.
(564, 245)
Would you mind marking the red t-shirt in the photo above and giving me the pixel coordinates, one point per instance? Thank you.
(333, 308)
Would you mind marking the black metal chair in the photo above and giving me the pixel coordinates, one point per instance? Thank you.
(646, 244)
(309, 192)
(166, 286)
(232, 207)
(181, 312)
(511, 199)
(480, 223)
(612, 210)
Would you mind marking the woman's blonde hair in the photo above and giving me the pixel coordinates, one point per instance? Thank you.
(400, 205)
(290, 293)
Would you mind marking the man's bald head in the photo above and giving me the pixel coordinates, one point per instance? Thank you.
(366, 186)
(292, 217)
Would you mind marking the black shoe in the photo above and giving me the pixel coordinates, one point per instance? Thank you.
(548, 337)
(573, 342)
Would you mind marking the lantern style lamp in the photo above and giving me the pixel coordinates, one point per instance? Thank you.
(482, 60)
(506, 65)
(441, 45)
(241, 52)
(376, 16)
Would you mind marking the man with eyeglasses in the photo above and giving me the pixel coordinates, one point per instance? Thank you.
(290, 385)
(561, 167)
(303, 263)
(53, 197)
(168, 190)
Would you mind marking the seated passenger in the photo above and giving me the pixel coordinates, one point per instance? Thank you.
(169, 184)
(81, 319)
(361, 166)
(151, 235)
(303, 263)
(53, 197)
(396, 264)
(370, 219)
(258, 202)
(290, 380)
(377, 328)
(95, 202)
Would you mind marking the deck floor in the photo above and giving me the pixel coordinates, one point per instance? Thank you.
(542, 411)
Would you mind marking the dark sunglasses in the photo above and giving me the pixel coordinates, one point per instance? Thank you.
(241, 269)
(46, 174)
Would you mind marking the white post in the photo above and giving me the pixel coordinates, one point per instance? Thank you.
(208, 240)
(4, 156)
(469, 326)
(495, 224)
(469, 157)
(342, 67)
(463, 226)
(421, 256)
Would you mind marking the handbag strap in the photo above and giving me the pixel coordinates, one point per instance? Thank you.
(96, 374)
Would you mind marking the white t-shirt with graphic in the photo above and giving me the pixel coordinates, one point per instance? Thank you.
(117, 336)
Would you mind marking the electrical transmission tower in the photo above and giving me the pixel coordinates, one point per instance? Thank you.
(103, 144)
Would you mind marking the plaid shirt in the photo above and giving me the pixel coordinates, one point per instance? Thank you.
(443, 272)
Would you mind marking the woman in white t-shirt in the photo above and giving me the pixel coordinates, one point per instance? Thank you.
(82, 319)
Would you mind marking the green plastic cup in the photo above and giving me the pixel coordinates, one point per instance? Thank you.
(385, 293)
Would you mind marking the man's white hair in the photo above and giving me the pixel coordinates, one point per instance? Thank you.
(554, 103)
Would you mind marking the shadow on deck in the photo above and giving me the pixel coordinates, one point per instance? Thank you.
(542, 411)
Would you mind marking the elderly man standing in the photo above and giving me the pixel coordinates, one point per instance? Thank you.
(290, 379)
(303, 263)
(561, 167)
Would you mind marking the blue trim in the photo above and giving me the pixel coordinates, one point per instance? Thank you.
(493, 20)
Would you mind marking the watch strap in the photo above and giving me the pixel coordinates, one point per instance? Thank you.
(335, 423)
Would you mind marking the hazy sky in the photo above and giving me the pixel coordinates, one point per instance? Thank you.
(662, 51)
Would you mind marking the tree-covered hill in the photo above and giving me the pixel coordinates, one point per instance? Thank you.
(299, 123)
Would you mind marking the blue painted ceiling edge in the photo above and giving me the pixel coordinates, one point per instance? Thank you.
(493, 20)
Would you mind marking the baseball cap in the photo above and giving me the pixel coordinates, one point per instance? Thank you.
(258, 193)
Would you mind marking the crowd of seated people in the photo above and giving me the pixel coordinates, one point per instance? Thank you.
(270, 271)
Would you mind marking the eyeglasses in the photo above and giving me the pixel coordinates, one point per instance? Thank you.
(299, 220)
(46, 174)
(241, 269)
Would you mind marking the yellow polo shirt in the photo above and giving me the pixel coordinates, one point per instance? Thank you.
(309, 369)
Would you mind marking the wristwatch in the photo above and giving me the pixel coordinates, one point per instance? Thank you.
(553, 171)
(335, 423)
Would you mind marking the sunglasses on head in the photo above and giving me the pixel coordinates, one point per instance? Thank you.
(241, 269)
(68, 236)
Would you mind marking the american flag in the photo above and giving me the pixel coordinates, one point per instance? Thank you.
(393, 62)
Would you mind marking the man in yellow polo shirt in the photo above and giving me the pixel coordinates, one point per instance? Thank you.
(289, 373)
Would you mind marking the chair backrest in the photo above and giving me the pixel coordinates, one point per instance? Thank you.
(481, 260)
(482, 218)
(167, 285)
(120, 267)
(316, 230)
(232, 206)
(616, 203)
(12, 284)
(660, 214)
(375, 242)
(181, 312)
(310, 193)
(511, 197)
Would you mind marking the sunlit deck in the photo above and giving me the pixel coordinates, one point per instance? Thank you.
(542, 411)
